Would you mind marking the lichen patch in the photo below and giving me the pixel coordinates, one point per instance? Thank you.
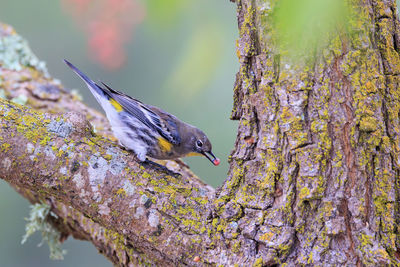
(6, 163)
(30, 148)
(153, 218)
(104, 209)
(139, 212)
(77, 178)
(63, 170)
(129, 188)
(60, 127)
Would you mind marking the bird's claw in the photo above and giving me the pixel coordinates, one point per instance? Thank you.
(161, 168)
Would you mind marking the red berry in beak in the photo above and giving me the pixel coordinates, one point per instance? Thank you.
(216, 161)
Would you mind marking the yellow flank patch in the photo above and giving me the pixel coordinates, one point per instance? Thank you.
(164, 144)
(116, 105)
(191, 154)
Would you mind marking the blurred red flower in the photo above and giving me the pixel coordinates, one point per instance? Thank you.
(109, 25)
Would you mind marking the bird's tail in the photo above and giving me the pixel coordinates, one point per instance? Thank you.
(99, 93)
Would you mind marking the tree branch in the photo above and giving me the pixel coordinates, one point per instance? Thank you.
(59, 157)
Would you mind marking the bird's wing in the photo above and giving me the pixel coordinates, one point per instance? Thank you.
(167, 125)
(150, 116)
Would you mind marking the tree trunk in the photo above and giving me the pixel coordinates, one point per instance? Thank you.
(316, 158)
(312, 178)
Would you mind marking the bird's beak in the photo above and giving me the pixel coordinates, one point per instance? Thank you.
(211, 157)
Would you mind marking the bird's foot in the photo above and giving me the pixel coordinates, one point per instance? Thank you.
(161, 168)
(181, 162)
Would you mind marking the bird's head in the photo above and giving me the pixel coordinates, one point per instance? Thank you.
(200, 145)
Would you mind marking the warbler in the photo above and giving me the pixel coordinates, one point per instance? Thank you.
(146, 130)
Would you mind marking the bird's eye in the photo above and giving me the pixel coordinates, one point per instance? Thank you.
(199, 143)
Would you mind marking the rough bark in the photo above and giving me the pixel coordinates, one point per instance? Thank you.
(313, 176)
(316, 158)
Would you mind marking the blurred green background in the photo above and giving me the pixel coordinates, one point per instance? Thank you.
(181, 57)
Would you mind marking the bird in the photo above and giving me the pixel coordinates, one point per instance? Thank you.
(147, 130)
